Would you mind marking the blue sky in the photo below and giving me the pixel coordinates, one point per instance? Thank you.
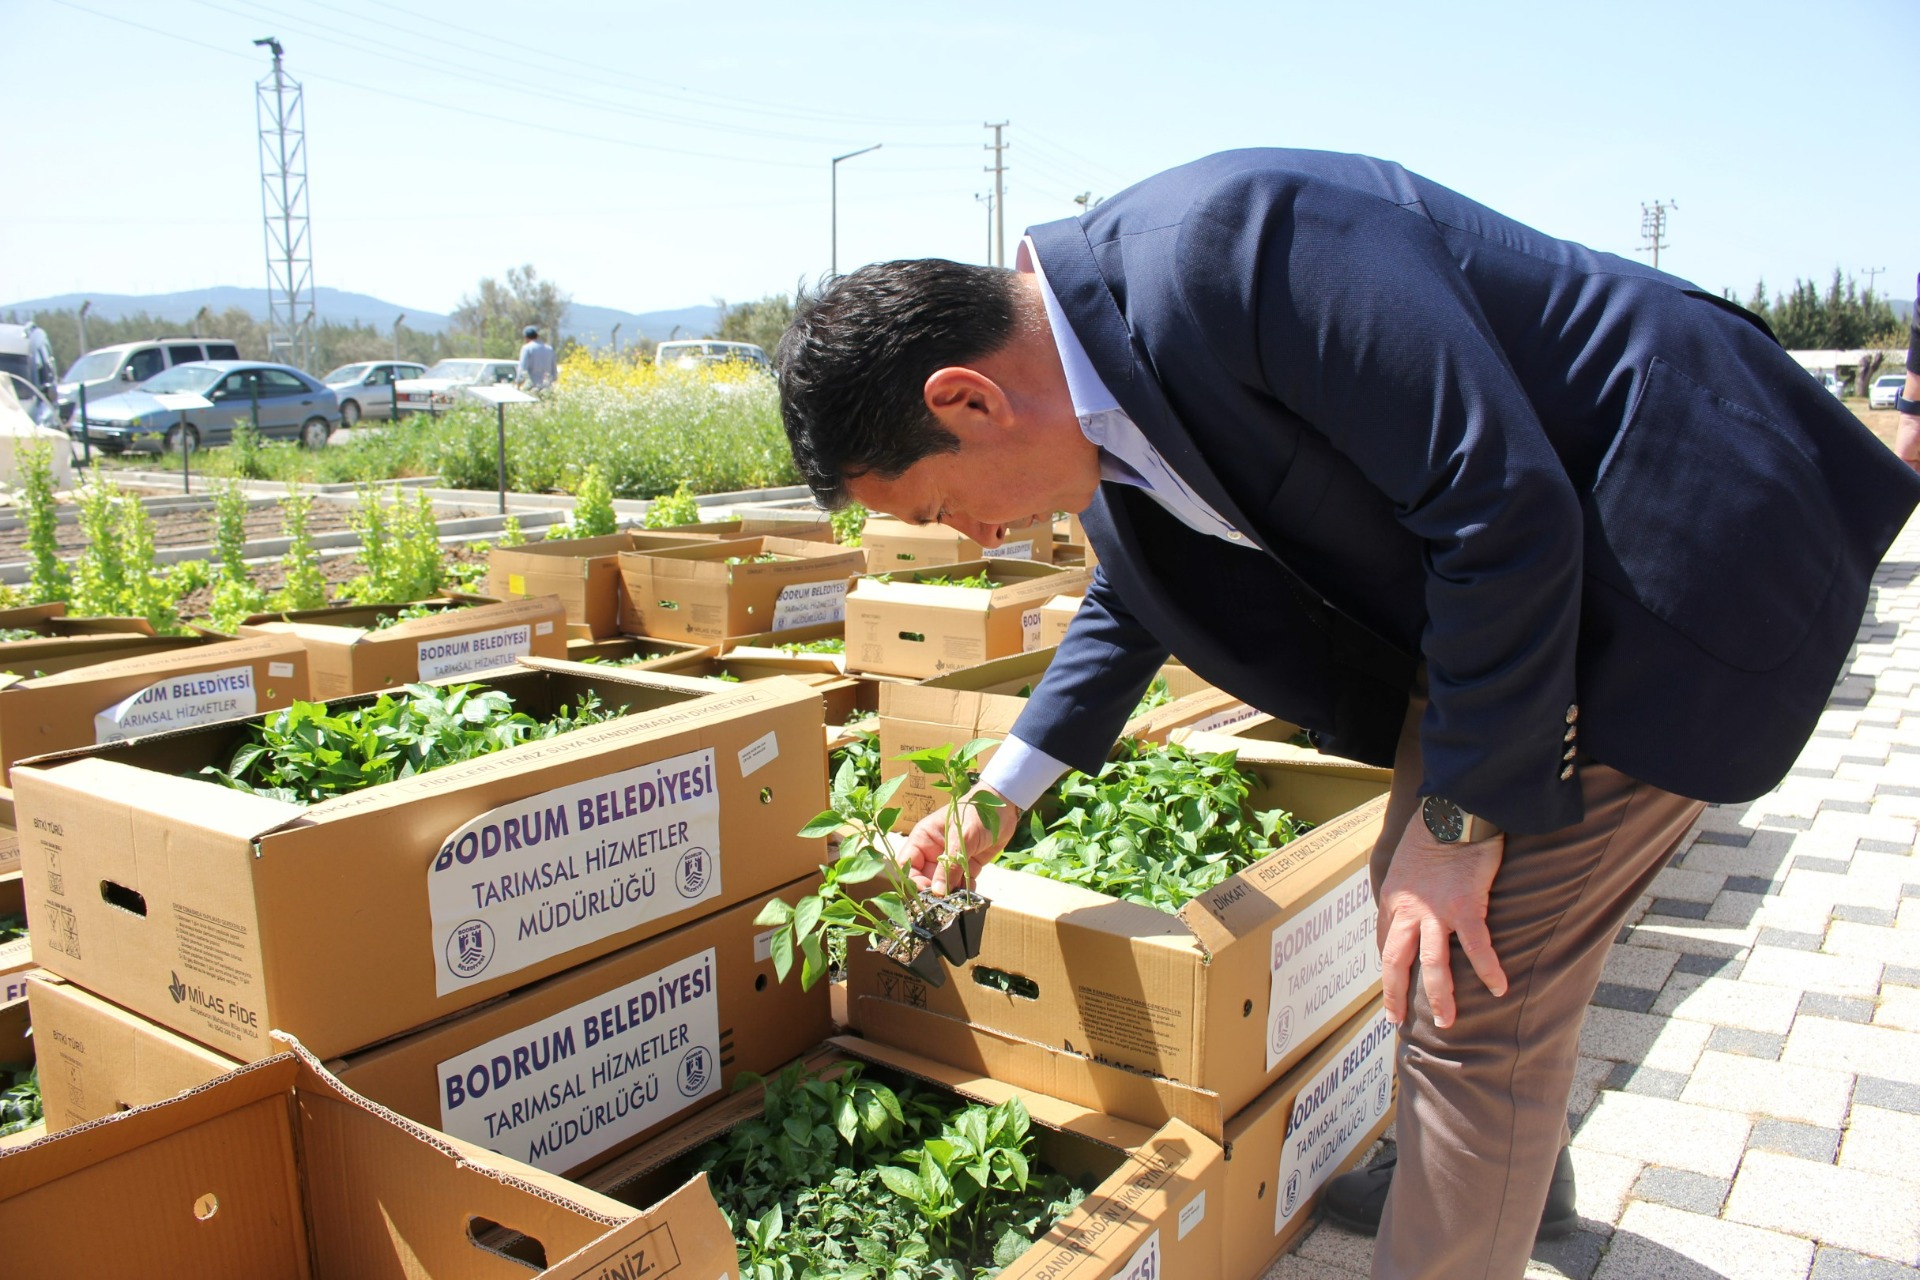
(649, 155)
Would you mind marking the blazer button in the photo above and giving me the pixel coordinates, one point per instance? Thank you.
(1570, 753)
(1573, 712)
(1566, 773)
(1571, 734)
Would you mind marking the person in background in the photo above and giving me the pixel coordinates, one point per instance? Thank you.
(537, 364)
(1906, 439)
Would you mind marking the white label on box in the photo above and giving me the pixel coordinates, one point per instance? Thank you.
(1221, 719)
(807, 604)
(280, 670)
(763, 750)
(1009, 551)
(534, 879)
(763, 946)
(480, 651)
(1332, 1113)
(178, 702)
(1324, 958)
(543, 628)
(1145, 1262)
(563, 1090)
(1193, 1215)
(1029, 630)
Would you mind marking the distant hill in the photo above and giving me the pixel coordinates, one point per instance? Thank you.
(592, 325)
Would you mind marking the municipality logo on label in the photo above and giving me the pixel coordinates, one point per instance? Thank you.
(1282, 1032)
(696, 1069)
(1293, 1192)
(470, 949)
(691, 876)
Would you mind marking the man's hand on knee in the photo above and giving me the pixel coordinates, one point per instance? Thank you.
(1434, 892)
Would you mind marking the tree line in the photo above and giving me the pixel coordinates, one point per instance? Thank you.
(1843, 318)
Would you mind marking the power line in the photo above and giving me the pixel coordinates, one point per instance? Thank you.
(1653, 226)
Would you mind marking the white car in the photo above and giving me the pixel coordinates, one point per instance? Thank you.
(699, 353)
(443, 384)
(1833, 385)
(366, 389)
(1884, 389)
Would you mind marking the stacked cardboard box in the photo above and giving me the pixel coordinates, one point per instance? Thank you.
(360, 649)
(583, 572)
(715, 591)
(894, 545)
(901, 624)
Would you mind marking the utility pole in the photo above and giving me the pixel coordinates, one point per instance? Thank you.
(282, 116)
(86, 305)
(1653, 228)
(616, 336)
(1872, 274)
(999, 211)
(991, 206)
(396, 333)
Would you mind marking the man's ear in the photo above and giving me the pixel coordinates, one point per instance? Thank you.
(961, 398)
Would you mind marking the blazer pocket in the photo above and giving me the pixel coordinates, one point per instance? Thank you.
(1715, 519)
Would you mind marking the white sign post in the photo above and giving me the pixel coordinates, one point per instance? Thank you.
(180, 402)
(500, 395)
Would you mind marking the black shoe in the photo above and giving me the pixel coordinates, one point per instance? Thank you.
(1356, 1200)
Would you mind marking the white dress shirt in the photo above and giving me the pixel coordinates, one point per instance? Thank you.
(1020, 771)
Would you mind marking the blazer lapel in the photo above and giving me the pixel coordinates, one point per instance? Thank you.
(1124, 366)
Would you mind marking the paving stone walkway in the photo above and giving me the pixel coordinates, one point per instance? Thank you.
(1747, 1104)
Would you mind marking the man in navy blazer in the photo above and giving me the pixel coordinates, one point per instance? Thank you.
(1569, 542)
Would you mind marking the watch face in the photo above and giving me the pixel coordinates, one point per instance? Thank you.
(1444, 819)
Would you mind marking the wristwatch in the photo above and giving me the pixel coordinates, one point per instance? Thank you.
(1450, 824)
(1903, 405)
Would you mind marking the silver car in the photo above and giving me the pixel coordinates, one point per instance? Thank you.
(293, 406)
(365, 390)
(441, 386)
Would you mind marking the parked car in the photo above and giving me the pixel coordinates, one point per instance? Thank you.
(293, 406)
(706, 351)
(1884, 389)
(443, 384)
(366, 389)
(1834, 386)
(107, 371)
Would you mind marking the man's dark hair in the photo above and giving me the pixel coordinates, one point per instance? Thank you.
(854, 363)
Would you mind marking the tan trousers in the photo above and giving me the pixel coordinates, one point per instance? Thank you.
(1483, 1103)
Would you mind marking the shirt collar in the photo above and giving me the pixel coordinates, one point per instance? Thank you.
(1088, 393)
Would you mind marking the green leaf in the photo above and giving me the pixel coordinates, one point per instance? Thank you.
(824, 825)
(903, 1184)
(775, 912)
(806, 916)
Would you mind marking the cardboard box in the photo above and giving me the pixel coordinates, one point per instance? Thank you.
(692, 593)
(222, 914)
(9, 850)
(595, 1060)
(106, 697)
(279, 1170)
(51, 621)
(1311, 1126)
(893, 545)
(16, 956)
(347, 655)
(1269, 742)
(1315, 1122)
(16, 1055)
(583, 572)
(905, 627)
(1056, 615)
(808, 526)
(1152, 1213)
(97, 1060)
(1224, 996)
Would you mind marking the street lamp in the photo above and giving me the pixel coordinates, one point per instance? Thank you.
(835, 167)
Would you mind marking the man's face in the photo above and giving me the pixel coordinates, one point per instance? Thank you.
(998, 481)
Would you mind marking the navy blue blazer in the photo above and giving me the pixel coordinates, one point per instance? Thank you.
(1602, 506)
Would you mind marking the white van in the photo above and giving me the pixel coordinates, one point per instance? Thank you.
(108, 371)
(705, 351)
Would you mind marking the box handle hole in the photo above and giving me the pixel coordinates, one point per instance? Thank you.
(504, 1242)
(118, 895)
(206, 1206)
(669, 604)
(766, 795)
(918, 637)
(1014, 984)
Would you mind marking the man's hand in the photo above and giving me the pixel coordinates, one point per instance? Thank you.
(1434, 892)
(974, 845)
(1906, 440)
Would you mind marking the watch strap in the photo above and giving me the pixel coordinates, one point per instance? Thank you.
(1903, 405)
